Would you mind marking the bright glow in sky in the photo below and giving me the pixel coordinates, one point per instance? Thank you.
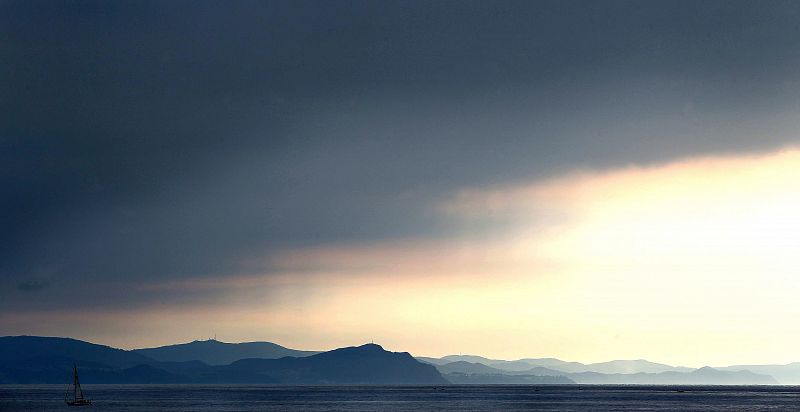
(693, 262)
(677, 263)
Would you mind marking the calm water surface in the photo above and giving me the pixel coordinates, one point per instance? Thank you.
(405, 398)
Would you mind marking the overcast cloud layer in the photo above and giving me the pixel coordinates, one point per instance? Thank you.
(152, 141)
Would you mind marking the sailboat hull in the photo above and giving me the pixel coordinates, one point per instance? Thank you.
(79, 402)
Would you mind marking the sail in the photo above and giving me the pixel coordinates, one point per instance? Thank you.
(78, 390)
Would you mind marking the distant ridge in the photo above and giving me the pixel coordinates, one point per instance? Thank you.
(466, 367)
(463, 372)
(478, 369)
(702, 376)
(214, 352)
(788, 374)
(37, 360)
(521, 365)
(633, 366)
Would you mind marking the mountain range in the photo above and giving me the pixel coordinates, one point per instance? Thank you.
(35, 359)
(611, 367)
(640, 371)
(788, 374)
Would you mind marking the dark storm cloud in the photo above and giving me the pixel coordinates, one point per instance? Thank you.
(146, 141)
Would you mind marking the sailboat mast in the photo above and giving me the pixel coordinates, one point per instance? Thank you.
(78, 390)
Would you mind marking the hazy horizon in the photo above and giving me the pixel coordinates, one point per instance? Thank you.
(582, 180)
(416, 355)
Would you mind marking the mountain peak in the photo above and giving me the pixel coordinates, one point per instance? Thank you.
(371, 346)
(204, 342)
(366, 349)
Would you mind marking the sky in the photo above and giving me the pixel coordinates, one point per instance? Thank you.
(587, 180)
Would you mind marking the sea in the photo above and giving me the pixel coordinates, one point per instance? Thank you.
(142, 398)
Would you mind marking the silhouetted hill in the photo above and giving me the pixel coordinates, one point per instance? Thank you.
(538, 371)
(38, 359)
(553, 363)
(17, 348)
(432, 361)
(58, 370)
(523, 365)
(214, 352)
(466, 367)
(613, 372)
(702, 376)
(788, 374)
(34, 359)
(509, 366)
(25, 359)
(367, 364)
(520, 365)
(633, 366)
(463, 372)
(466, 358)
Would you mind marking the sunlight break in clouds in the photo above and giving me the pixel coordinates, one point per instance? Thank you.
(675, 262)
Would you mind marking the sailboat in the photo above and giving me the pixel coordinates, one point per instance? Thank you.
(77, 392)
